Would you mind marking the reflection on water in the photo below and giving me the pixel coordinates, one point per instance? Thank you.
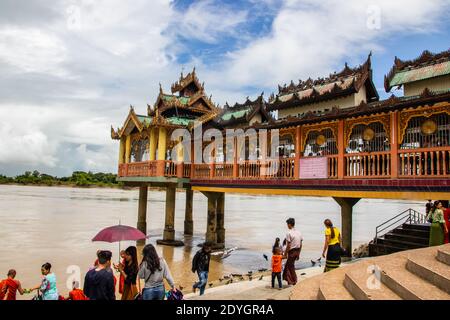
(54, 224)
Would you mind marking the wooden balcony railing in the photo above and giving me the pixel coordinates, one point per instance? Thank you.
(332, 166)
(223, 170)
(433, 162)
(170, 168)
(368, 165)
(138, 169)
(413, 163)
(202, 171)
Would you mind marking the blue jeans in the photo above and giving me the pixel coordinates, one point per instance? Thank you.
(155, 293)
(203, 279)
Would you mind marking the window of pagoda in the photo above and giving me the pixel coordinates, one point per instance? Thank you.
(320, 143)
(139, 147)
(287, 146)
(426, 131)
(370, 137)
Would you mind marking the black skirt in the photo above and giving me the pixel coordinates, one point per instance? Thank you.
(333, 257)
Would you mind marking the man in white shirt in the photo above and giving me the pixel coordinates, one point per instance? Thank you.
(294, 241)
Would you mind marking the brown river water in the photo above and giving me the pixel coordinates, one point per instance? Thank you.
(56, 225)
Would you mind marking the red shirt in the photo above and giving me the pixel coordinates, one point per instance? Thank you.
(276, 263)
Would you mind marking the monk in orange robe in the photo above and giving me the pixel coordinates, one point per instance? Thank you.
(10, 286)
(76, 293)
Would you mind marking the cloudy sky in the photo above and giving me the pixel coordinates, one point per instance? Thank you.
(71, 68)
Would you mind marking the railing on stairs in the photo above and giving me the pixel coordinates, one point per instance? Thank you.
(408, 216)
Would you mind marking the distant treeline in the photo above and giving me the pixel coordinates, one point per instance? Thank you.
(78, 178)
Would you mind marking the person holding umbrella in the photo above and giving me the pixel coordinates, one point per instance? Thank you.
(129, 271)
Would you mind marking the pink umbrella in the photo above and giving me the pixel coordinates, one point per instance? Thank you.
(119, 233)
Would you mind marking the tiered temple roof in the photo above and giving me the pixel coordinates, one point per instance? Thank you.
(174, 110)
(427, 65)
(336, 85)
(427, 97)
(243, 113)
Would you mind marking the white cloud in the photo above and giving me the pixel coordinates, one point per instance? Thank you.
(208, 21)
(32, 50)
(309, 37)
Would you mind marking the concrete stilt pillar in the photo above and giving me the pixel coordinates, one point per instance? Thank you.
(211, 224)
(220, 211)
(142, 212)
(188, 220)
(346, 221)
(169, 228)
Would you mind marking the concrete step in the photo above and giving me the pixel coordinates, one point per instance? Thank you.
(443, 255)
(424, 263)
(406, 284)
(307, 289)
(332, 287)
(407, 238)
(412, 232)
(422, 227)
(382, 249)
(363, 281)
(401, 244)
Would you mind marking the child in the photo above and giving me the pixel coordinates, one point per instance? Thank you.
(277, 259)
(121, 278)
(76, 293)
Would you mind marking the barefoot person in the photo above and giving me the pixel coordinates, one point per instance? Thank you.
(200, 264)
(10, 286)
(129, 271)
(48, 285)
(99, 282)
(294, 242)
(154, 270)
(332, 246)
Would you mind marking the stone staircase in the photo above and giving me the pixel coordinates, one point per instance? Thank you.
(410, 232)
(419, 274)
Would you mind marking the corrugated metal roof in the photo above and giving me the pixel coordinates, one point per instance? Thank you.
(427, 72)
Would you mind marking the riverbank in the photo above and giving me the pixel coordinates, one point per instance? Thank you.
(258, 288)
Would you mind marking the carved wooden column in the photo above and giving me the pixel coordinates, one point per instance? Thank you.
(298, 144)
(152, 144)
(341, 150)
(394, 144)
(128, 149)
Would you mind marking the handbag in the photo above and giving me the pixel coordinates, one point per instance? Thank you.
(138, 295)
